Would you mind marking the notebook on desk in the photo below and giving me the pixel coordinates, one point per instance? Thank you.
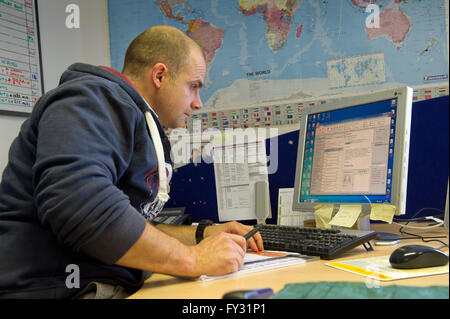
(254, 262)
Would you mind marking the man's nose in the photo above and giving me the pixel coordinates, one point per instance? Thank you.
(197, 103)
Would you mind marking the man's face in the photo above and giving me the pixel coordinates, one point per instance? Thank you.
(179, 97)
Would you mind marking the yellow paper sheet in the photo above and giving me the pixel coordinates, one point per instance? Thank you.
(382, 212)
(379, 268)
(346, 216)
(322, 215)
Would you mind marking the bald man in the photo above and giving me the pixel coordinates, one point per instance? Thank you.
(87, 174)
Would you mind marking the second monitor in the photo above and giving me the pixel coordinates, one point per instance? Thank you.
(355, 151)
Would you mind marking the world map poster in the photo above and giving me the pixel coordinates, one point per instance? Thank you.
(261, 51)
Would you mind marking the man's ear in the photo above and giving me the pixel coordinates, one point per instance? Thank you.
(159, 73)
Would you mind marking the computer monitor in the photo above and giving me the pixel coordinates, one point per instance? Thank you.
(355, 151)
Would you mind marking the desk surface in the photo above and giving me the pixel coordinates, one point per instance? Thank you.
(160, 286)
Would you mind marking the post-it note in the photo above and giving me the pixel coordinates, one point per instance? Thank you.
(322, 215)
(346, 216)
(382, 212)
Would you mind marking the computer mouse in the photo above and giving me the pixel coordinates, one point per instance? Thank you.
(417, 256)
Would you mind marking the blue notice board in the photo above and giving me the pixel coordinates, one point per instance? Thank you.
(428, 157)
(193, 186)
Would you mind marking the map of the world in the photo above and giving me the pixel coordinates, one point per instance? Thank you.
(260, 51)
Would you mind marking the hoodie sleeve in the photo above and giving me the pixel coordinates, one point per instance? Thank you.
(85, 143)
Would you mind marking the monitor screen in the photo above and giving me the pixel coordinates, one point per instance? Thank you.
(355, 151)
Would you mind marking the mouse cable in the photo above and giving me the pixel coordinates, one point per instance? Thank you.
(418, 236)
(438, 223)
(410, 220)
(418, 212)
(425, 239)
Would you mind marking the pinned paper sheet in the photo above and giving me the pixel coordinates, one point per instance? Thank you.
(382, 212)
(322, 214)
(346, 216)
(286, 216)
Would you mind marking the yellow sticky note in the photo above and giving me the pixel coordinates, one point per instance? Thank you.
(382, 212)
(322, 215)
(346, 216)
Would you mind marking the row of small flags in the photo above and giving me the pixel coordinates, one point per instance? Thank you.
(276, 115)
(426, 94)
(254, 117)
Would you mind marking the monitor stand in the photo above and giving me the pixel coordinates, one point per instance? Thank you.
(387, 239)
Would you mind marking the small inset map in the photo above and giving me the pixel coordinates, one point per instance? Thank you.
(356, 70)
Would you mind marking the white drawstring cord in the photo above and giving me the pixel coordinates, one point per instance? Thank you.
(163, 194)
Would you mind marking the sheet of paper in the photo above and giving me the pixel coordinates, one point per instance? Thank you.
(237, 167)
(346, 216)
(251, 256)
(286, 216)
(322, 214)
(264, 261)
(382, 212)
(379, 268)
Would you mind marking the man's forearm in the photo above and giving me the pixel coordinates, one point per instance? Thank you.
(157, 251)
(171, 249)
(184, 233)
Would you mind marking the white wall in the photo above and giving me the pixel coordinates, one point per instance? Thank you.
(60, 47)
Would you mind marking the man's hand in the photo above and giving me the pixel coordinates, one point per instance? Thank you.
(255, 242)
(223, 249)
(219, 254)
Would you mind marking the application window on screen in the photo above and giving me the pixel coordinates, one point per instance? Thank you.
(349, 153)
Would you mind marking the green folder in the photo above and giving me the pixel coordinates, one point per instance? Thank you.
(358, 290)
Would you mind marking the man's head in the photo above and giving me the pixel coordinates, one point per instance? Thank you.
(168, 69)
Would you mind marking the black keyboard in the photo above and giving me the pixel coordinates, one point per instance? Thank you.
(326, 243)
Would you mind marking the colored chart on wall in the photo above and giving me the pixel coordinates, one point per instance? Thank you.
(20, 66)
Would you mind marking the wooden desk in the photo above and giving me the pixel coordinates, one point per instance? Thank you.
(160, 286)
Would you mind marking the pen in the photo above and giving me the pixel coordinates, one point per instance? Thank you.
(253, 231)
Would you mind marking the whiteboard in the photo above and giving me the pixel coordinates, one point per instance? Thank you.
(20, 62)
